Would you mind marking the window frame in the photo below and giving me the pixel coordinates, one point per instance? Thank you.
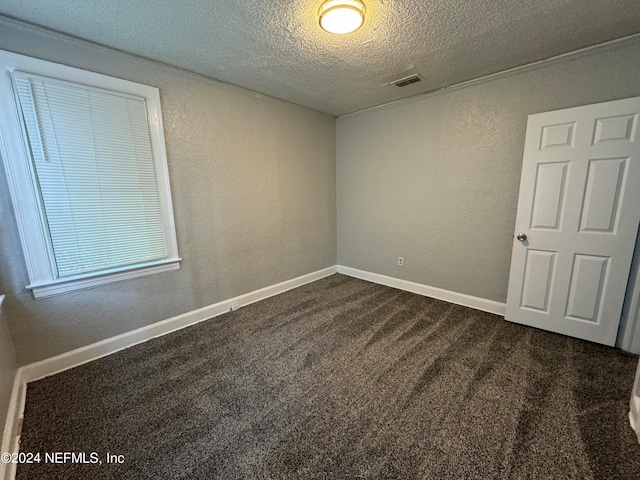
(15, 152)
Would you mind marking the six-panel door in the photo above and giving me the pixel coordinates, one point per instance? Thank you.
(579, 207)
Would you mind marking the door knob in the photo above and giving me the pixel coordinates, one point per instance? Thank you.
(522, 237)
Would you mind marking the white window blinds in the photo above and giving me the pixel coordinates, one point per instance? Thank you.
(95, 173)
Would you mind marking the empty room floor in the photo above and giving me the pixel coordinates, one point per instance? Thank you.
(342, 379)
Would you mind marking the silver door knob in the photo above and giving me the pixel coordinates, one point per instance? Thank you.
(522, 237)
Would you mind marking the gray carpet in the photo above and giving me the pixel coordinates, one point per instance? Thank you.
(343, 379)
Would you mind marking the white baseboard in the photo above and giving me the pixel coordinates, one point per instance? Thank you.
(74, 358)
(634, 417)
(634, 404)
(483, 304)
(10, 438)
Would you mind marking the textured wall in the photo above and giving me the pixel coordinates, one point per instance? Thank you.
(253, 185)
(7, 370)
(436, 180)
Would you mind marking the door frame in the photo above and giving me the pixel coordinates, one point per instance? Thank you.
(634, 405)
(628, 338)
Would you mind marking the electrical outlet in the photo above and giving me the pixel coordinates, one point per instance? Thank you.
(401, 261)
(235, 306)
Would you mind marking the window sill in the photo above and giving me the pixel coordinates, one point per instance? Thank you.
(48, 289)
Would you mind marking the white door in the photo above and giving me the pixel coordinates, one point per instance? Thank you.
(577, 220)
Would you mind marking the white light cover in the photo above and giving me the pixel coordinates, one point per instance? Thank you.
(341, 16)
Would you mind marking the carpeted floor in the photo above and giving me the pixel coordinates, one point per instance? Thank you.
(343, 379)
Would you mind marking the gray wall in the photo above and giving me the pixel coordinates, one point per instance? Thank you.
(436, 179)
(8, 369)
(253, 185)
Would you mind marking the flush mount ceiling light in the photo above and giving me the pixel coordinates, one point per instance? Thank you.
(341, 16)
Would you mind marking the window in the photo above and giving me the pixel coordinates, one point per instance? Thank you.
(87, 170)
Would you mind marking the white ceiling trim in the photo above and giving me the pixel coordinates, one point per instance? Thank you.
(73, 40)
(601, 47)
(277, 48)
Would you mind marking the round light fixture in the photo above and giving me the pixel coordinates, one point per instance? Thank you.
(341, 16)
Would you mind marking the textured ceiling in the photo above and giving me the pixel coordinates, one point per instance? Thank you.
(276, 47)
